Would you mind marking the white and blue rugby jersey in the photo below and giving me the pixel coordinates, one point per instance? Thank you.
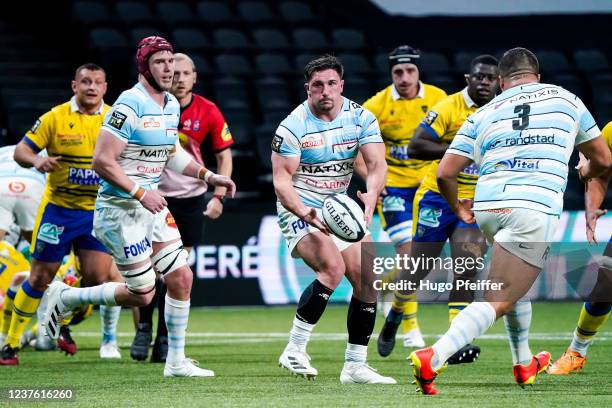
(150, 132)
(9, 168)
(327, 150)
(522, 140)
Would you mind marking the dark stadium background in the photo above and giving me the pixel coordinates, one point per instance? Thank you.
(250, 55)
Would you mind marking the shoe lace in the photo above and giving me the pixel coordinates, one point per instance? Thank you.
(192, 361)
(568, 360)
(142, 336)
(369, 367)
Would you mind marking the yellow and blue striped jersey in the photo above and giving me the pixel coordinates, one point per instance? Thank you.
(65, 131)
(398, 119)
(442, 122)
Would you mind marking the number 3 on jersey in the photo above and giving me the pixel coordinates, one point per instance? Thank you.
(523, 111)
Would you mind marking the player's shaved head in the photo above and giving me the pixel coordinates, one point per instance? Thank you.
(90, 66)
(179, 56)
(518, 61)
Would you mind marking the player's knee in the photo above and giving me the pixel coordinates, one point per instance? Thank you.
(40, 281)
(501, 308)
(331, 271)
(144, 298)
(140, 282)
(180, 280)
(170, 258)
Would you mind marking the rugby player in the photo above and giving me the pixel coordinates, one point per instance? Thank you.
(313, 152)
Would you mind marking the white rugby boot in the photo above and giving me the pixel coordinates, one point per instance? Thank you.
(297, 362)
(187, 368)
(55, 309)
(110, 350)
(414, 339)
(362, 373)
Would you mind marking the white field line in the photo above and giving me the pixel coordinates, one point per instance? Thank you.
(234, 337)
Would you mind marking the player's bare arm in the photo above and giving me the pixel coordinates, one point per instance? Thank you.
(282, 172)
(374, 157)
(599, 158)
(181, 162)
(108, 148)
(360, 167)
(214, 208)
(450, 167)
(595, 192)
(423, 146)
(26, 157)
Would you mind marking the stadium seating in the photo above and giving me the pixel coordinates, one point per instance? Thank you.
(297, 13)
(257, 12)
(215, 13)
(190, 39)
(591, 61)
(250, 55)
(133, 12)
(175, 14)
(273, 64)
(267, 39)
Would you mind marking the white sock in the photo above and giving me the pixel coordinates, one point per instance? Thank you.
(470, 323)
(579, 344)
(355, 353)
(109, 317)
(96, 295)
(299, 334)
(517, 324)
(177, 315)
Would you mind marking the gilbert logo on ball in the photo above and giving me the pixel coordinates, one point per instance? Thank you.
(344, 217)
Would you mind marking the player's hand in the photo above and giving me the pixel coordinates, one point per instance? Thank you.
(591, 223)
(382, 196)
(311, 218)
(47, 164)
(464, 211)
(581, 167)
(219, 180)
(369, 200)
(153, 201)
(214, 208)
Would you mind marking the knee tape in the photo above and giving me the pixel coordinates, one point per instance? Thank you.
(170, 258)
(140, 278)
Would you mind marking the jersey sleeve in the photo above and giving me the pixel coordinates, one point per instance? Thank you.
(41, 132)
(122, 119)
(438, 120)
(465, 140)
(370, 131)
(587, 128)
(221, 137)
(286, 140)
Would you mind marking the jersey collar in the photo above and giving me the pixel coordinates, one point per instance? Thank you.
(395, 95)
(74, 106)
(466, 97)
(140, 87)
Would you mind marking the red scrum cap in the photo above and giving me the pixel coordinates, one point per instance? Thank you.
(147, 47)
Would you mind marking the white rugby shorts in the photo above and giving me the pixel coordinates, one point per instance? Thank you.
(19, 201)
(294, 229)
(523, 232)
(129, 233)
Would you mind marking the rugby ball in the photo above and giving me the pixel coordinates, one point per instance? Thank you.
(344, 217)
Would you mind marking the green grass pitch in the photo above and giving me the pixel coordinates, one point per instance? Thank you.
(242, 346)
